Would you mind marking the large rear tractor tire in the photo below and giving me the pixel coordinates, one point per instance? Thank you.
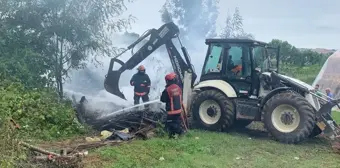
(289, 117)
(212, 110)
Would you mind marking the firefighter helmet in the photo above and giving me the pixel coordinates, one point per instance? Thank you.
(170, 77)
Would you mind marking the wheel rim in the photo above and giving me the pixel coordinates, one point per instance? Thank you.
(210, 112)
(285, 118)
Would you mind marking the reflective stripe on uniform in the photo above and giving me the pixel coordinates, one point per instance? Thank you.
(174, 112)
(171, 103)
(140, 94)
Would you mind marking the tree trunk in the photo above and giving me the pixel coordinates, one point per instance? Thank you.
(59, 67)
(61, 89)
(60, 84)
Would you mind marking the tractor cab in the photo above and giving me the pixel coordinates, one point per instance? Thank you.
(239, 62)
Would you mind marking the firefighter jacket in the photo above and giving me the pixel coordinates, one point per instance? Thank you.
(172, 97)
(141, 82)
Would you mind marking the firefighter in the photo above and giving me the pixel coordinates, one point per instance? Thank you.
(141, 83)
(172, 97)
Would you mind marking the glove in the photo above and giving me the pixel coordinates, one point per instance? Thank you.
(142, 85)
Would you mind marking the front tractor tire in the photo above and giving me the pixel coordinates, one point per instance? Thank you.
(289, 117)
(212, 111)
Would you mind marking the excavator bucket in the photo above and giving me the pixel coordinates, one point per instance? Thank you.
(111, 83)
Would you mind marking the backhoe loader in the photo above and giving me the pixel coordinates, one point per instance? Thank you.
(239, 83)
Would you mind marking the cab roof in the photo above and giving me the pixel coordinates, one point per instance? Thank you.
(233, 40)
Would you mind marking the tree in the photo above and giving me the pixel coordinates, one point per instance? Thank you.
(291, 55)
(194, 18)
(209, 15)
(67, 32)
(165, 15)
(286, 50)
(18, 60)
(234, 27)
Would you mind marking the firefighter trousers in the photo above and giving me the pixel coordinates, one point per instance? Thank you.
(173, 125)
(145, 98)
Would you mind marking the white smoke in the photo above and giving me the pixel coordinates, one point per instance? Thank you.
(89, 82)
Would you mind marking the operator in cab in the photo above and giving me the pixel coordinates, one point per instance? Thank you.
(231, 67)
(172, 97)
(141, 83)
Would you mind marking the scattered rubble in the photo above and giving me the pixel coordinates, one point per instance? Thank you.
(116, 129)
(71, 155)
(336, 146)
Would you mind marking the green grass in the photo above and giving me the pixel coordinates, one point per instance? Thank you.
(203, 149)
(336, 116)
(215, 150)
(306, 74)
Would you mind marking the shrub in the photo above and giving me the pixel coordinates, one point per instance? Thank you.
(10, 153)
(306, 73)
(38, 111)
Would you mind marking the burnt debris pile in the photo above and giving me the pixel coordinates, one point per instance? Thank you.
(117, 117)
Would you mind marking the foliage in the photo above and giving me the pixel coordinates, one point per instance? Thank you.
(165, 14)
(11, 152)
(39, 115)
(40, 41)
(234, 27)
(19, 61)
(38, 112)
(194, 18)
(24, 66)
(336, 116)
(67, 32)
(291, 55)
(306, 73)
(303, 64)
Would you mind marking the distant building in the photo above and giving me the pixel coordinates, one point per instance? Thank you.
(323, 50)
(319, 50)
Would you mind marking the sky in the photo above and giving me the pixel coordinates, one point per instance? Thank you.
(306, 25)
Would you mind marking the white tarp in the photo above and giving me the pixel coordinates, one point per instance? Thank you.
(329, 75)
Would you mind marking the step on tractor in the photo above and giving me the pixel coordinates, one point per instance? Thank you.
(239, 83)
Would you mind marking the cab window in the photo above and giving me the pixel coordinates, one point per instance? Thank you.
(239, 64)
(259, 57)
(214, 60)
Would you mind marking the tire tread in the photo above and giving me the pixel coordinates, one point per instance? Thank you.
(227, 110)
(307, 116)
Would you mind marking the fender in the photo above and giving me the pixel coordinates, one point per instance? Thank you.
(221, 85)
(272, 93)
